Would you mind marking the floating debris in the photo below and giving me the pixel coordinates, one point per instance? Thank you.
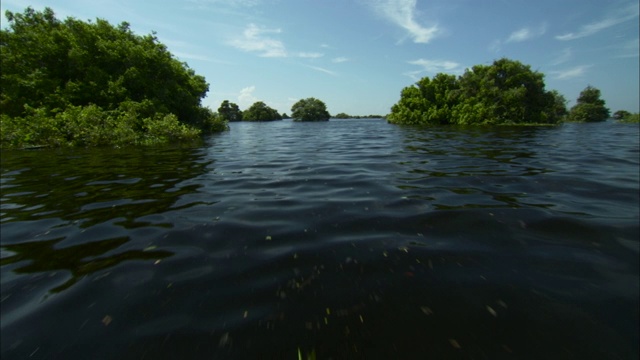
(225, 340)
(426, 310)
(268, 238)
(455, 343)
(106, 320)
(491, 311)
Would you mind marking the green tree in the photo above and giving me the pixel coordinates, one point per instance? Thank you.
(342, 116)
(230, 111)
(589, 107)
(506, 92)
(310, 109)
(621, 114)
(259, 111)
(51, 66)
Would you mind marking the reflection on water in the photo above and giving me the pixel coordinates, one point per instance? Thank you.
(348, 239)
(89, 186)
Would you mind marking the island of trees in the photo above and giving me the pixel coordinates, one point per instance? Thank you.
(310, 109)
(82, 83)
(506, 92)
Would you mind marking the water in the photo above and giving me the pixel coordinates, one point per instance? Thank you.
(347, 239)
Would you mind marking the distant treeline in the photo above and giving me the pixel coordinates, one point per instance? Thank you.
(347, 116)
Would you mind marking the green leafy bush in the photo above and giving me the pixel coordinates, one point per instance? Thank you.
(86, 84)
(506, 92)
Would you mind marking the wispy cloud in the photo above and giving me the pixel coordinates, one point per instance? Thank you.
(339, 60)
(310, 55)
(527, 33)
(564, 56)
(619, 16)
(571, 73)
(629, 49)
(403, 14)
(253, 39)
(433, 67)
(246, 97)
(317, 68)
(236, 3)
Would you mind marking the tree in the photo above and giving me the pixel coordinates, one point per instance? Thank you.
(621, 114)
(506, 92)
(342, 116)
(259, 111)
(51, 66)
(589, 107)
(310, 109)
(230, 111)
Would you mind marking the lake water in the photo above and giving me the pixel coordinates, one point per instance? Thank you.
(348, 239)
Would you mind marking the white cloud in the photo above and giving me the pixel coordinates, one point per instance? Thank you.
(403, 14)
(253, 39)
(629, 49)
(617, 17)
(310, 55)
(246, 98)
(436, 66)
(565, 56)
(526, 33)
(571, 73)
(433, 67)
(237, 3)
(316, 68)
(339, 59)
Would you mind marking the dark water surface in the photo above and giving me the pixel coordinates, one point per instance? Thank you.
(348, 240)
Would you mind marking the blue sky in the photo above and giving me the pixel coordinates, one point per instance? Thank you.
(357, 55)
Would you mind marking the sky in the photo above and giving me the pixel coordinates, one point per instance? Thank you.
(357, 55)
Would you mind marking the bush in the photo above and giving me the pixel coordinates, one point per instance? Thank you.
(73, 83)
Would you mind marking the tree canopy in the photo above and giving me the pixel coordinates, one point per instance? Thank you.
(259, 111)
(310, 109)
(589, 107)
(55, 73)
(506, 92)
(230, 111)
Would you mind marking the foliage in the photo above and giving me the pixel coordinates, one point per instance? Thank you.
(310, 109)
(90, 74)
(92, 126)
(630, 118)
(589, 107)
(259, 111)
(230, 111)
(342, 116)
(620, 114)
(506, 92)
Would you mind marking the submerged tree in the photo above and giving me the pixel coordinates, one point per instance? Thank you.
(230, 111)
(259, 111)
(506, 92)
(50, 67)
(589, 107)
(621, 114)
(310, 109)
